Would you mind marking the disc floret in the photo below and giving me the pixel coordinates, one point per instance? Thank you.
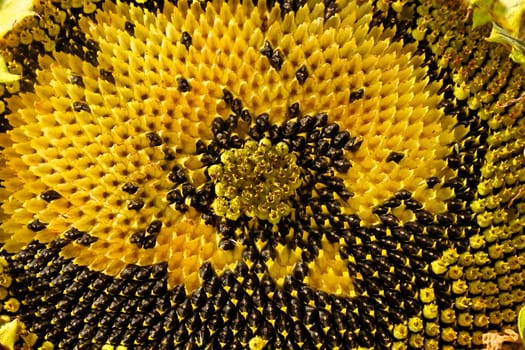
(257, 180)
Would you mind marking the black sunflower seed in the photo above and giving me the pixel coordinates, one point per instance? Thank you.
(79, 106)
(186, 39)
(395, 157)
(36, 225)
(50, 195)
(154, 139)
(183, 85)
(301, 74)
(130, 28)
(356, 95)
(129, 188)
(267, 50)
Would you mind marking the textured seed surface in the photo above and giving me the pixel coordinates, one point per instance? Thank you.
(333, 174)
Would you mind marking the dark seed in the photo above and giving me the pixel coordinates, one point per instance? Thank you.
(305, 161)
(322, 147)
(403, 195)
(129, 188)
(267, 50)
(154, 227)
(454, 161)
(91, 57)
(344, 194)
(321, 164)
(275, 134)
(263, 122)
(185, 39)
(389, 220)
(342, 165)
(392, 203)
(277, 59)
(222, 139)
(36, 225)
(235, 142)
(454, 205)
(86, 239)
(306, 123)
(245, 116)
(412, 204)
(353, 144)
(395, 157)
(455, 183)
(237, 106)
(183, 85)
(174, 196)
(321, 119)
(136, 204)
(107, 76)
(226, 229)
(414, 227)
(200, 147)
(50, 195)
(298, 143)
(301, 74)
(432, 181)
(227, 96)
(92, 45)
(81, 106)
(340, 139)
(227, 244)
(130, 28)
(231, 122)
(187, 189)
(218, 125)
(290, 129)
(330, 131)
(72, 233)
(154, 139)
(401, 233)
(177, 175)
(294, 111)
(356, 95)
(76, 79)
(148, 242)
(334, 153)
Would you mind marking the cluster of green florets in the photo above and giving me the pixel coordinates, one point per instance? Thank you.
(257, 180)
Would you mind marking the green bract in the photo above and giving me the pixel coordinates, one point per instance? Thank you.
(507, 19)
(521, 324)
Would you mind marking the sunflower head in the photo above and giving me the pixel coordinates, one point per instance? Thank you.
(239, 173)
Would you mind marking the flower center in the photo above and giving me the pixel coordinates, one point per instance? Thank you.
(257, 180)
